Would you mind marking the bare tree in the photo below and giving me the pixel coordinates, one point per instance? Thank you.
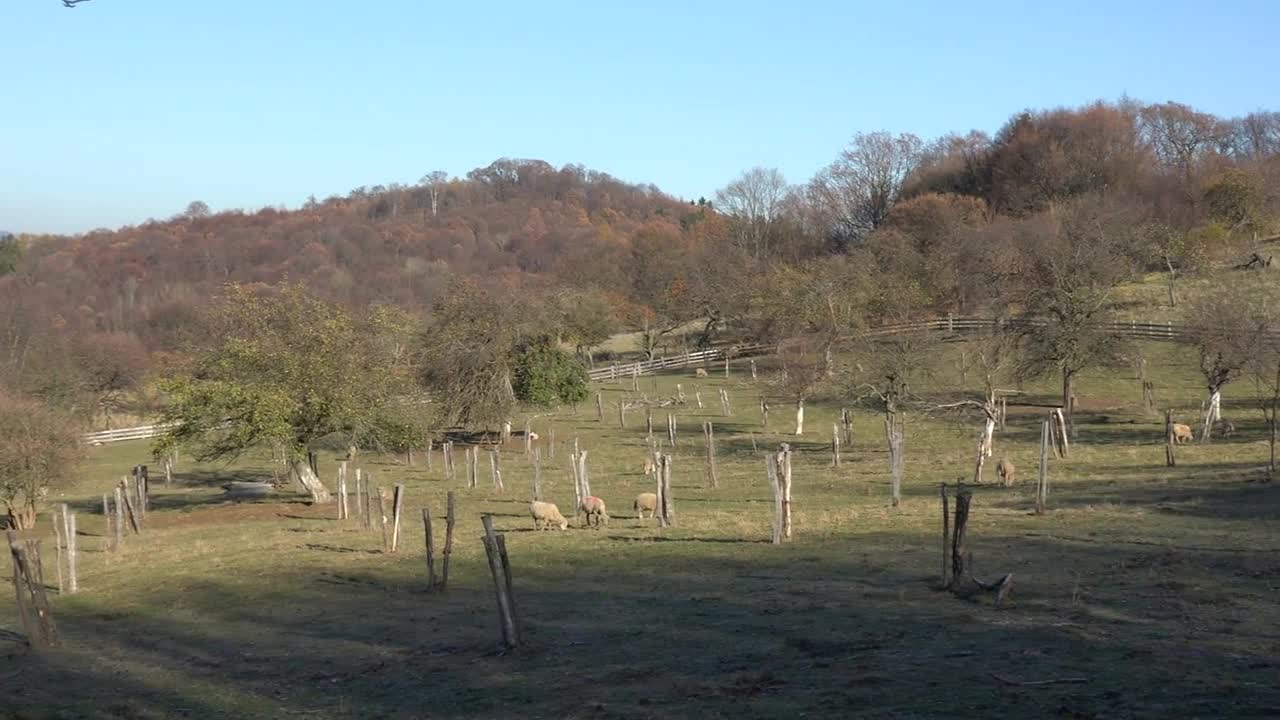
(1179, 135)
(435, 182)
(1255, 136)
(1075, 265)
(1228, 327)
(755, 200)
(863, 183)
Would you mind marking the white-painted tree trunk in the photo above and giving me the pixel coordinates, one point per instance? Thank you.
(302, 471)
(800, 418)
(987, 432)
(1211, 415)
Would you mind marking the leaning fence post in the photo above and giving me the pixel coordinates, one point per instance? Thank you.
(33, 605)
(110, 532)
(501, 585)
(397, 504)
(1169, 439)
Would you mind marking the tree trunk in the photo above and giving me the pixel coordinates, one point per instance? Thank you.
(1212, 414)
(1069, 400)
(1271, 444)
(309, 480)
(799, 417)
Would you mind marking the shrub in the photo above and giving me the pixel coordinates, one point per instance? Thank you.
(546, 375)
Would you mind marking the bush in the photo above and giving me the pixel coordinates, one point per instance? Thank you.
(546, 375)
(41, 450)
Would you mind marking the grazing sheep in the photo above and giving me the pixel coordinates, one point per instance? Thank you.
(649, 467)
(646, 502)
(700, 372)
(1182, 433)
(1224, 427)
(1007, 472)
(545, 515)
(533, 435)
(594, 509)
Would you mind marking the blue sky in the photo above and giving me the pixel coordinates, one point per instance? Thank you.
(121, 110)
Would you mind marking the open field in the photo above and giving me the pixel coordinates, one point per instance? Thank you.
(1158, 587)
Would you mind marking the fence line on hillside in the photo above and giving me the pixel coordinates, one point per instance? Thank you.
(1165, 331)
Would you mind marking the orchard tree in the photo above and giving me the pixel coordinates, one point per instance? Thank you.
(41, 451)
(466, 356)
(1228, 328)
(283, 368)
(1075, 264)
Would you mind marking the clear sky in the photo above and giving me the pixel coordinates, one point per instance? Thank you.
(120, 110)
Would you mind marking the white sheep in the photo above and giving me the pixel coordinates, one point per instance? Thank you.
(595, 511)
(1182, 433)
(645, 502)
(545, 515)
(1007, 471)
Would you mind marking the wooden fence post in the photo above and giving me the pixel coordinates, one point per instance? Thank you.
(666, 504)
(495, 469)
(537, 473)
(1043, 480)
(368, 501)
(753, 370)
(129, 509)
(784, 472)
(846, 421)
(957, 539)
(431, 549)
(501, 585)
(118, 539)
(835, 445)
(599, 408)
(34, 613)
(946, 522)
(1169, 440)
(430, 449)
(110, 532)
(448, 542)
(622, 413)
(528, 439)
(69, 537)
(775, 484)
(382, 520)
(397, 504)
(764, 415)
(709, 432)
(342, 490)
(671, 429)
(360, 498)
(58, 530)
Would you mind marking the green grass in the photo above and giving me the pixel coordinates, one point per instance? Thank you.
(1156, 584)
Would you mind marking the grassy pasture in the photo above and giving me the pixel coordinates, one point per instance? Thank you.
(1156, 585)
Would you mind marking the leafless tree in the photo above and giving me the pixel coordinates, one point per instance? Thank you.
(755, 200)
(1179, 135)
(863, 183)
(435, 182)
